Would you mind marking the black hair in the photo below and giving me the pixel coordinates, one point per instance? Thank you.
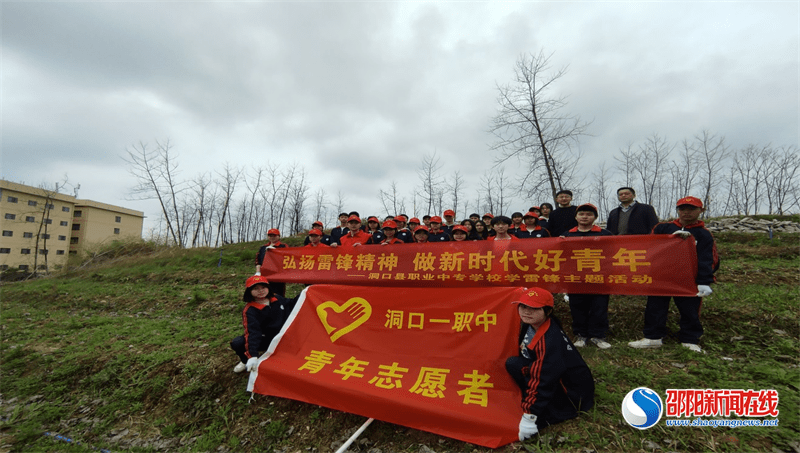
(516, 214)
(355, 213)
(501, 218)
(343, 214)
(545, 204)
(627, 188)
(568, 192)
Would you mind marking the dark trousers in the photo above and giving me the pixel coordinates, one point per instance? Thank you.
(560, 408)
(589, 315)
(238, 346)
(655, 318)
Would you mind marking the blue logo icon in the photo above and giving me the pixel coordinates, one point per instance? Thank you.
(642, 408)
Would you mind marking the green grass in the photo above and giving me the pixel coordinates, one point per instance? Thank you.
(138, 340)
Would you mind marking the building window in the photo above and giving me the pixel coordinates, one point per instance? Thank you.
(73, 240)
(76, 226)
(118, 219)
(23, 267)
(32, 203)
(63, 223)
(77, 214)
(116, 230)
(45, 236)
(12, 199)
(62, 238)
(51, 206)
(3, 267)
(59, 252)
(5, 250)
(27, 235)
(7, 233)
(25, 251)
(73, 252)
(30, 218)
(43, 251)
(48, 221)
(65, 208)
(10, 216)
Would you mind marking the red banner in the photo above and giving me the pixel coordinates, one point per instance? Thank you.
(430, 359)
(638, 265)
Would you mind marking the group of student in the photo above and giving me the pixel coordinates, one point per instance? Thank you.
(547, 356)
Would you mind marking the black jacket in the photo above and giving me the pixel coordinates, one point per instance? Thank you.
(641, 221)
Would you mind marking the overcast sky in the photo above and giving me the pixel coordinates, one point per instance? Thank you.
(358, 92)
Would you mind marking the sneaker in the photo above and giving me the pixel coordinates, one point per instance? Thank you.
(601, 343)
(692, 346)
(645, 343)
(239, 367)
(579, 342)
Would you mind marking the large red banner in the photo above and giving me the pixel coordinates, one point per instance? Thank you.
(430, 359)
(638, 265)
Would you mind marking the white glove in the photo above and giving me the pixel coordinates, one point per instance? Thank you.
(257, 274)
(566, 298)
(270, 247)
(703, 290)
(682, 233)
(252, 364)
(527, 427)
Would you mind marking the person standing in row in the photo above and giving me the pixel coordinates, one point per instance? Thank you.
(274, 238)
(589, 311)
(563, 218)
(631, 217)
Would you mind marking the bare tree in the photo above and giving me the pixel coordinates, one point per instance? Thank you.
(780, 180)
(156, 170)
(390, 200)
(431, 181)
(711, 152)
(298, 195)
(531, 126)
(748, 169)
(200, 187)
(600, 190)
(455, 188)
(227, 185)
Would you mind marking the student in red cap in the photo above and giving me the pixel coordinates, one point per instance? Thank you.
(324, 238)
(459, 233)
(263, 317)
(589, 311)
(373, 225)
(315, 238)
(413, 224)
(388, 235)
(687, 224)
(530, 228)
(274, 238)
(436, 233)
(555, 381)
(355, 235)
(403, 232)
(421, 234)
(449, 220)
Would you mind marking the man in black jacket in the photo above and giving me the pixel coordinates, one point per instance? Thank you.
(563, 218)
(631, 217)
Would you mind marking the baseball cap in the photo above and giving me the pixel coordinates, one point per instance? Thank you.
(414, 220)
(587, 207)
(450, 212)
(273, 231)
(353, 218)
(461, 228)
(314, 232)
(534, 298)
(317, 223)
(389, 224)
(692, 201)
(436, 219)
(531, 214)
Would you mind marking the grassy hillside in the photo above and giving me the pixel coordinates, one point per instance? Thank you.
(130, 353)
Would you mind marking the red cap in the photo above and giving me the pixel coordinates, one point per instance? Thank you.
(389, 224)
(450, 212)
(436, 219)
(587, 207)
(531, 214)
(421, 228)
(255, 280)
(317, 223)
(414, 220)
(273, 231)
(459, 228)
(314, 232)
(489, 215)
(352, 218)
(534, 298)
(372, 218)
(692, 201)
(400, 218)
